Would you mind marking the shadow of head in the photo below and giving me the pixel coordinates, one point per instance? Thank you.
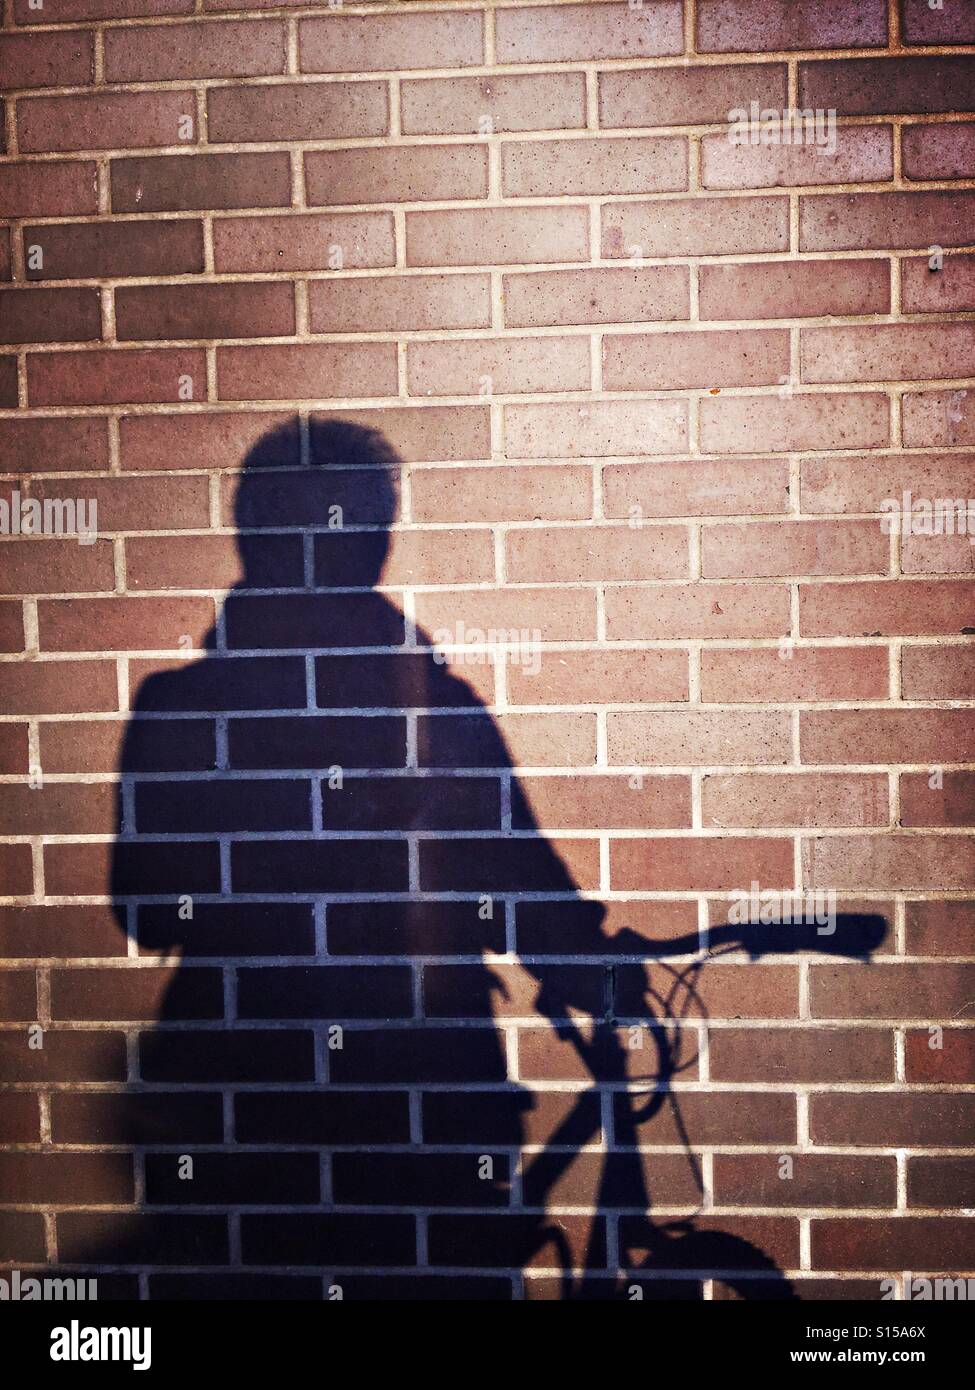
(339, 480)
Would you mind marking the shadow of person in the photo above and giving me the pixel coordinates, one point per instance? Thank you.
(314, 838)
(320, 844)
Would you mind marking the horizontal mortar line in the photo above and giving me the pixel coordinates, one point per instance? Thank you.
(497, 69)
(334, 834)
(509, 332)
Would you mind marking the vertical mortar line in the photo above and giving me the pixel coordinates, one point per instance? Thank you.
(497, 431)
(897, 151)
(211, 374)
(291, 59)
(694, 162)
(395, 108)
(10, 125)
(106, 297)
(690, 27)
(592, 99)
(896, 273)
(399, 235)
(497, 298)
(490, 37)
(118, 564)
(103, 184)
(596, 361)
(302, 325)
(494, 148)
(402, 373)
(296, 170)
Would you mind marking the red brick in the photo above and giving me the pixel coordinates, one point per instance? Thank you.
(55, 687)
(864, 1120)
(712, 738)
(784, 799)
(953, 804)
(106, 121)
(583, 678)
(509, 365)
(697, 610)
(58, 808)
(938, 673)
(886, 608)
(17, 881)
(80, 625)
(814, 1180)
(924, 291)
(240, 114)
(939, 1182)
(427, 434)
(573, 555)
(604, 295)
(940, 1056)
(176, 52)
(197, 440)
(939, 928)
(463, 105)
(688, 94)
(95, 250)
(396, 174)
(37, 564)
(377, 43)
(801, 1054)
(13, 748)
(574, 802)
(922, 24)
(887, 862)
(743, 26)
(883, 352)
(50, 316)
(754, 675)
(794, 289)
(69, 11)
(384, 303)
(556, 168)
(8, 383)
(246, 310)
(685, 863)
(553, 34)
(888, 85)
(141, 504)
(312, 371)
(888, 736)
(882, 221)
(185, 182)
(559, 615)
(939, 417)
(699, 487)
(463, 494)
(65, 59)
(764, 549)
(598, 429)
(303, 242)
(695, 227)
(96, 745)
(105, 377)
(669, 361)
(497, 236)
(939, 151)
(46, 189)
(863, 154)
(862, 483)
(745, 424)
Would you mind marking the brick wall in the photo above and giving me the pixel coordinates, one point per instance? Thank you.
(482, 302)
